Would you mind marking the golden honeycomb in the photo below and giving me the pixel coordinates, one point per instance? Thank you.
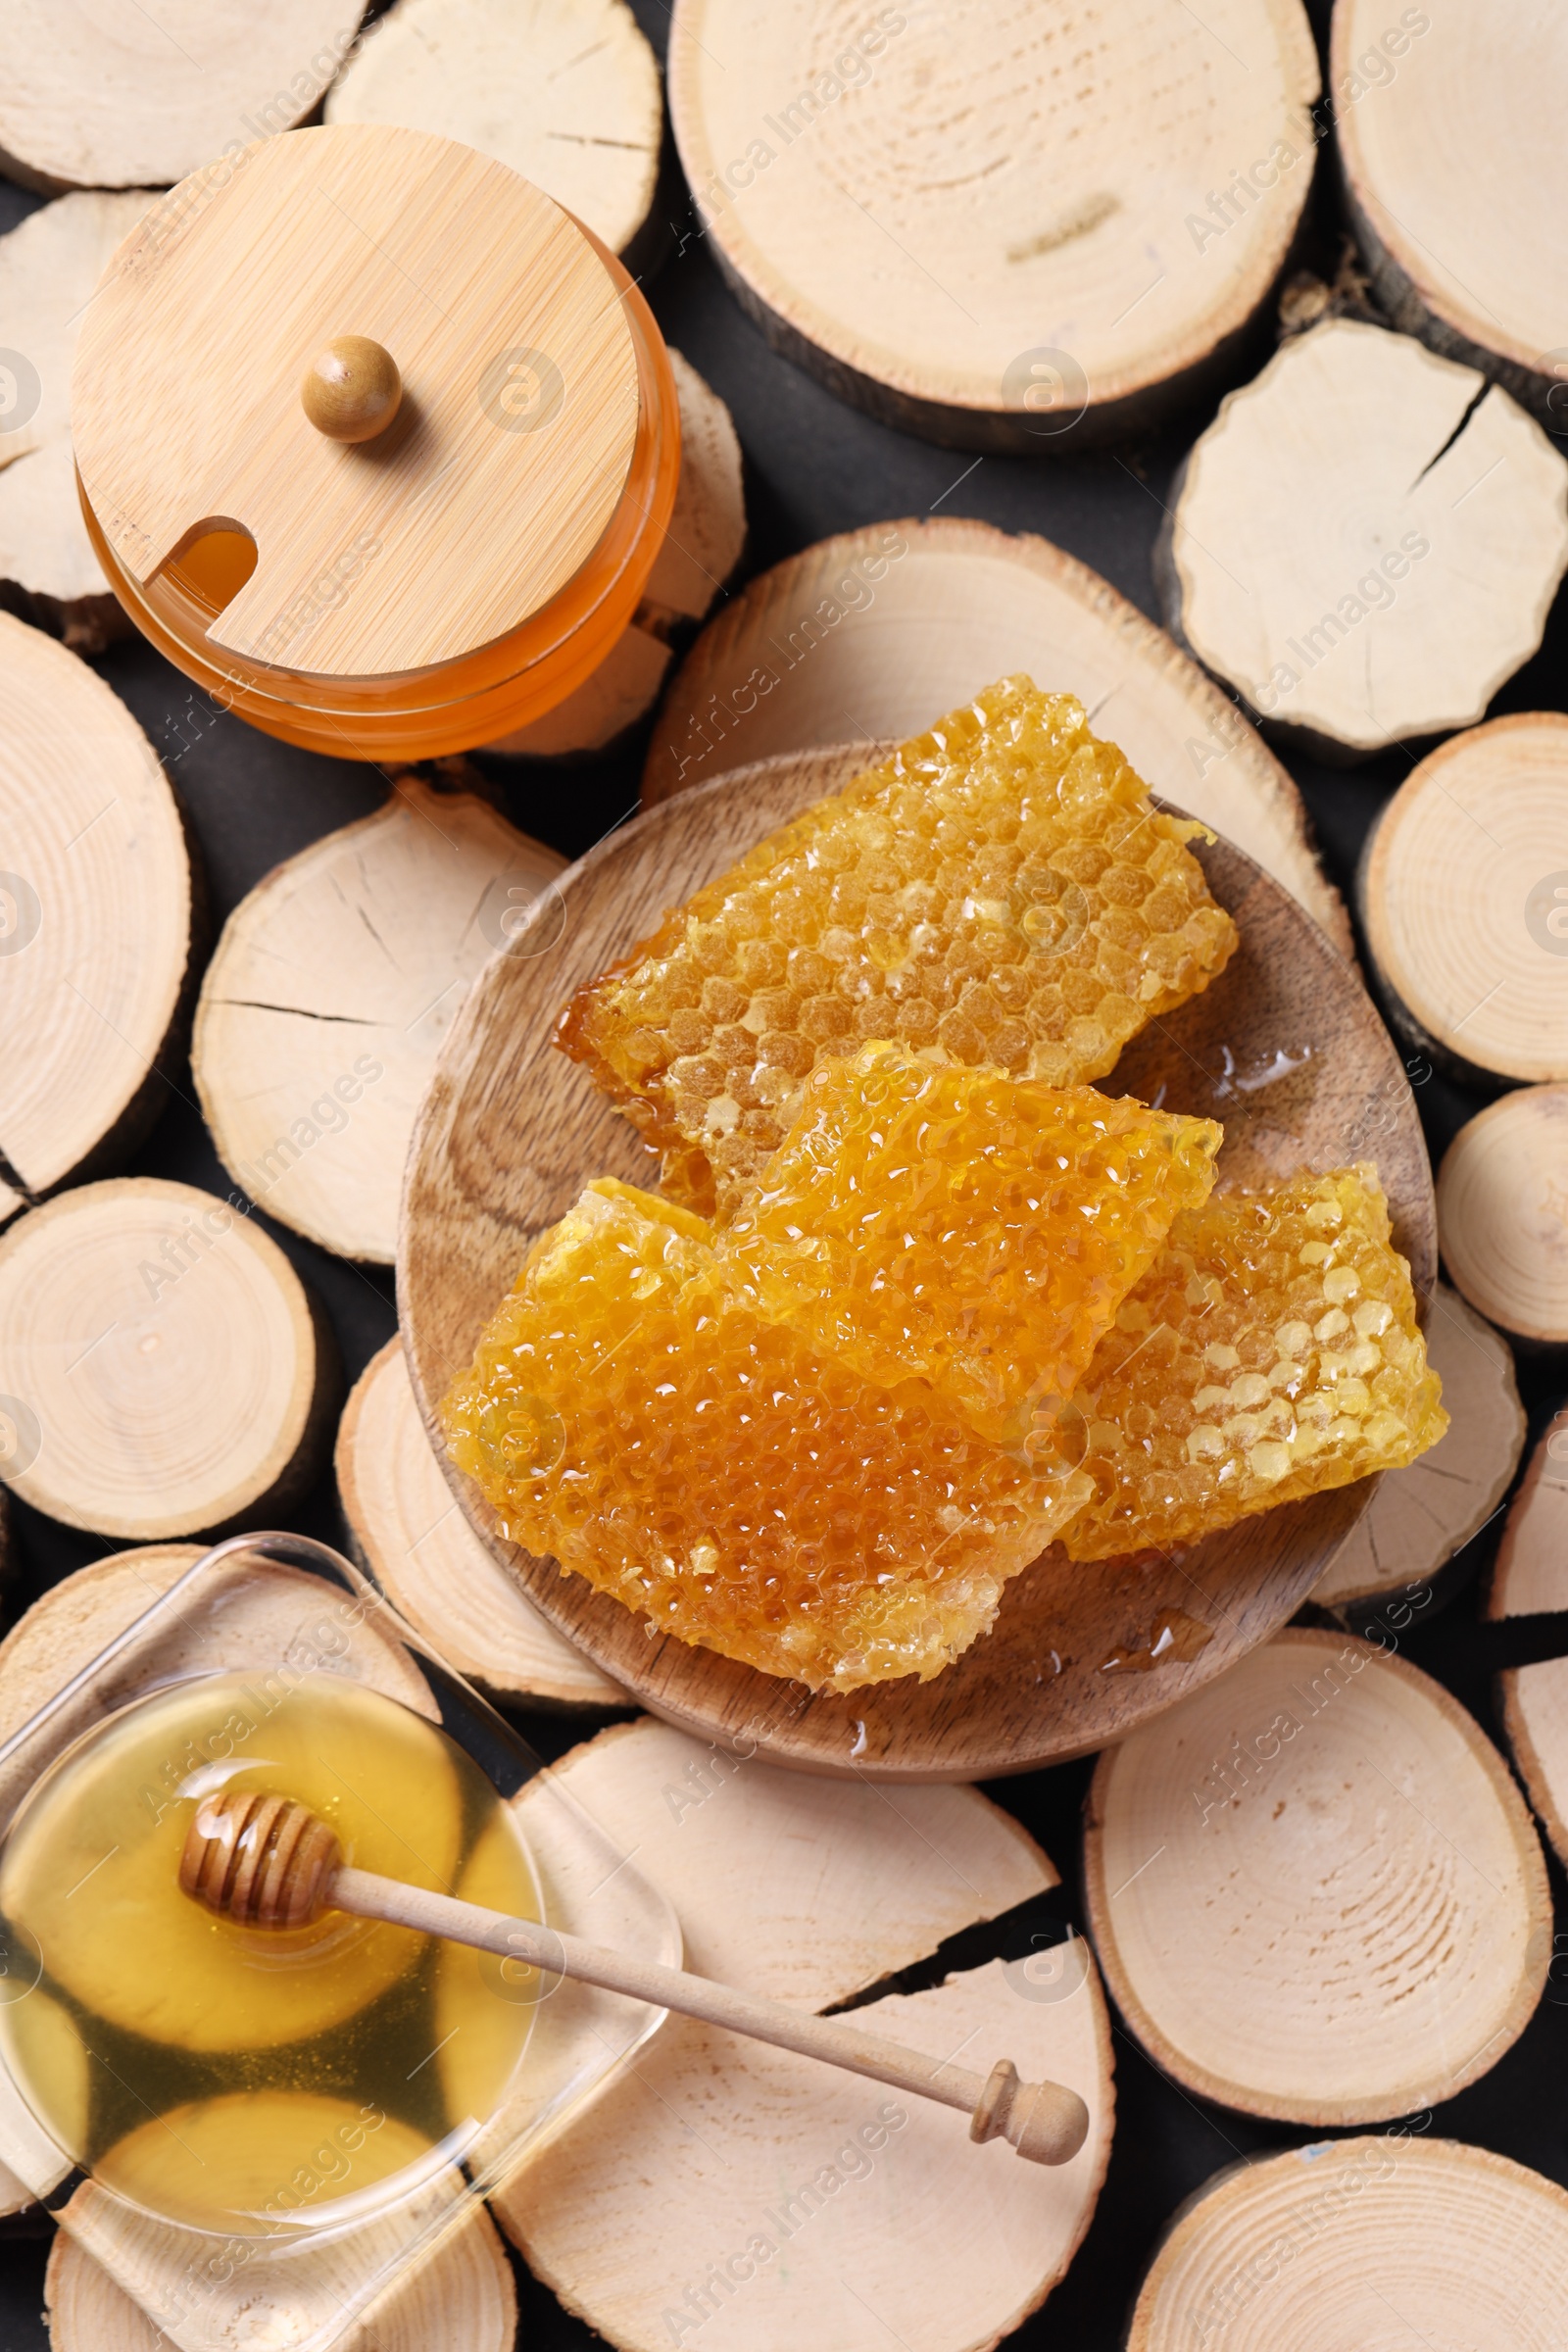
(962, 1226)
(630, 1418)
(999, 891)
(1270, 1352)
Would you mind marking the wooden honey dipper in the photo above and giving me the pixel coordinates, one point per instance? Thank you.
(268, 1862)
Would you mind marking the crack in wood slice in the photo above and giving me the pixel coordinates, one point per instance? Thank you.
(702, 549)
(876, 191)
(655, 2202)
(330, 994)
(565, 92)
(460, 2298)
(1530, 1579)
(96, 919)
(49, 265)
(269, 1610)
(1379, 2242)
(90, 100)
(168, 1371)
(1366, 541)
(407, 1530)
(1502, 1213)
(1285, 1048)
(872, 634)
(1279, 1919)
(1419, 1518)
(1463, 891)
(1485, 283)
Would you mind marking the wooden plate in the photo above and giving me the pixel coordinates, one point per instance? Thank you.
(511, 1130)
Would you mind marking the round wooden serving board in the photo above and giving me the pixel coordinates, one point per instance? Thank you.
(510, 1131)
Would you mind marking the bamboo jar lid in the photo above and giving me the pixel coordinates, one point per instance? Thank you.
(368, 427)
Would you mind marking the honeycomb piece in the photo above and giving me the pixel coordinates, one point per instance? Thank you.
(999, 891)
(628, 1418)
(1270, 1352)
(962, 1226)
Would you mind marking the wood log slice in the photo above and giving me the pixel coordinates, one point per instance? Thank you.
(1366, 541)
(1384, 2242)
(1485, 283)
(1530, 1579)
(50, 265)
(510, 1131)
(868, 635)
(565, 92)
(973, 224)
(462, 2299)
(881, 2222)
(1281, 1919)
(162, 1363)
(1418, 1519)
(701, 550)
(124, 98)
(1463, 892)
(1502, 1214)
(407, 1530)
(97, 920)
(331, 989)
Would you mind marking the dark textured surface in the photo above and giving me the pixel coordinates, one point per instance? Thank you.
(814, 468)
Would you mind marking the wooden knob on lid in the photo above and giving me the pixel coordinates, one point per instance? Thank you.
(352, 390)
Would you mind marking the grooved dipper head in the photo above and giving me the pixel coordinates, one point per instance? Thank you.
(263, 1861)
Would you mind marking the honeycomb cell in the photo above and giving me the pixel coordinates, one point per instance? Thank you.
(961, 1226)
(999, 891)
(629, 1417)
(1270, 1352)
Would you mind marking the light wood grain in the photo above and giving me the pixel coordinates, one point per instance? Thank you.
(110, 96)
(1420, 1517)
(1502, 1213)
(49, 265)
(1529, 1578)
(97, 920)
(564, 91)
(330, 993)
(408, 1531)
(1385, 2240)
(701, 550)
(510, 1130)
(1464, 900)
(1283, 1922)
(172, 1373)
(812, 1890)
(1486, 284)
(865, 635)
(185, 404)
(1357, 552)
(909, 200)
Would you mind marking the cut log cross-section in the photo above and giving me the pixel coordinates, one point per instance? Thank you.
(1386, 2241)
(1502, 1213)
(49, 266)
(96, 921)
(1420, 1518)
(162, 1367)
(1282, 1920)
(1366, 541)
(409, 1532)
(1464, 898)
(1484, 282)
(331, 989)
(908, 200)
(132, 98)
(1531, 1578)
(702, 549)
(726, 2179)
(870, 635)
(565, 92)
